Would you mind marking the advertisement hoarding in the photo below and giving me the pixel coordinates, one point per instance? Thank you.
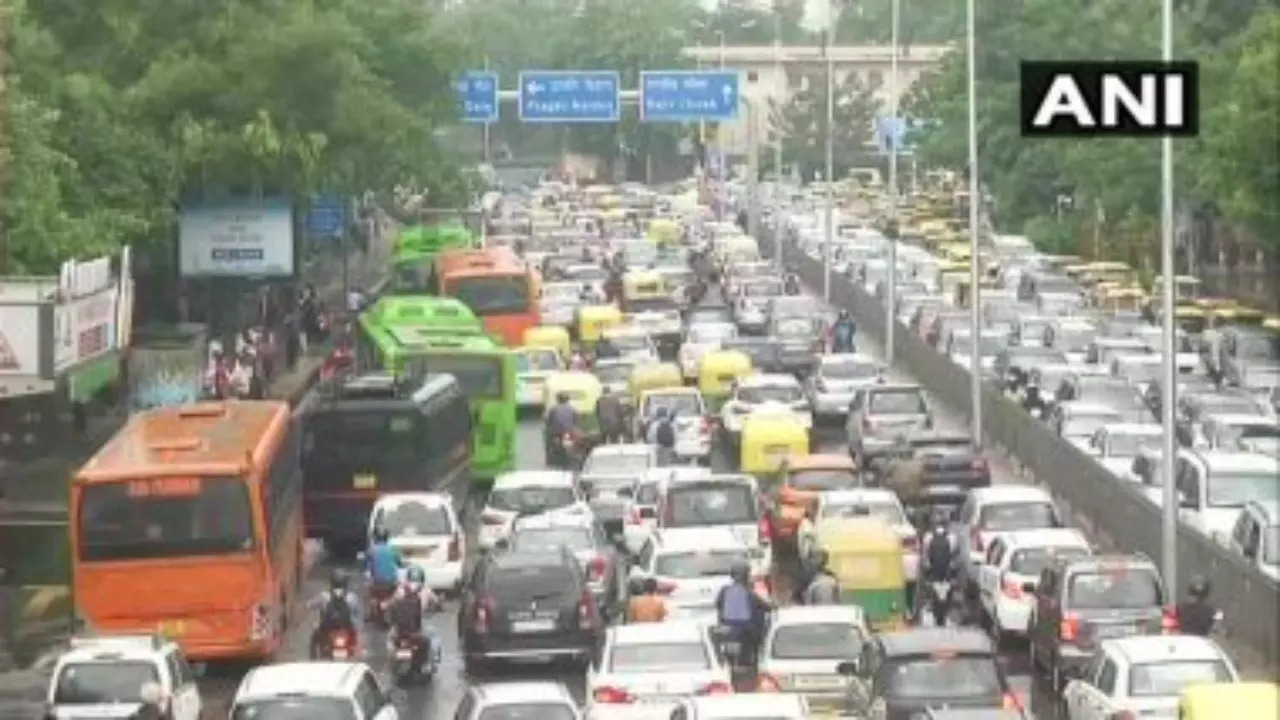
(20, 340)
(242, 239)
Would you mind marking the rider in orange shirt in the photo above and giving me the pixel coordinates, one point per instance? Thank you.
(647, 606)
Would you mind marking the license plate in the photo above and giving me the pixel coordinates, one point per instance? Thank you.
(403, 654)
(1111, 631)
(532, 626)
(364, 482)
(417, 552)
(339, 654)
(946, 489)
(173, 628)
(813, 682)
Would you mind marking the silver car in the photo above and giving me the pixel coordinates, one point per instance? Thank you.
(878, 415)
(836, 378)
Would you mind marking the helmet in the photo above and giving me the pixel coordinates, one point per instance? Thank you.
(636, 585)
(562, 398)
(740, 572)
(415, 577)
(380, 535)
(338, 580)
(650, 586)
(1199, 587)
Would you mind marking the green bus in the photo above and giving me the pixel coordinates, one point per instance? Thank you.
(425, 314)
(485, 369)
(413, 256)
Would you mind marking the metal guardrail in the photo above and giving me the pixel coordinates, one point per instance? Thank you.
(1115, 514)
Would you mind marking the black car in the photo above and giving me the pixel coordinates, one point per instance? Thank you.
(527, 605)
(591, 546)
(912, 670)
(953, 466)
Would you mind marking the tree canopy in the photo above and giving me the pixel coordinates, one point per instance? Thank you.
(119, 110)
(800, 123)
(1114, 183)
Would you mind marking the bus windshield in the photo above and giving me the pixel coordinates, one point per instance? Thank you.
(367, 437)
(479, 375)
(164, 518)
(493, 295)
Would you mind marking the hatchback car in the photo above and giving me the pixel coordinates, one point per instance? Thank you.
(692, 423)
(527, 605)
(523, 493)
(692, 566)
(102, 677)
(727, 501)
(641, 506)
(339, 690)
(803, 646)
(1144, 676)
(1010, 570)
(426, 531)
(836, 378)
(653, 666)
(743, 706)
(518, 701)
(878, 415)
(533, 366)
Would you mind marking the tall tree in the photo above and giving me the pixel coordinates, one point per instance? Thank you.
(800, 123)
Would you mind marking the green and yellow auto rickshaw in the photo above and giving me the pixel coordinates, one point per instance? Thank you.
(866, 556)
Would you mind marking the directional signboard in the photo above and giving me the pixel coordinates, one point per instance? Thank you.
(891, 132)
(478, 96)
(325, 218)
(688, 95)
(570, 96)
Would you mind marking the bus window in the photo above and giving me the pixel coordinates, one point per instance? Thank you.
(372, 438)
(284, 488)
(480, 376)
(492, 295)
(449, 426)
(164, 518)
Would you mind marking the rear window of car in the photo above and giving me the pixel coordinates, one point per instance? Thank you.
(687, 565)
(546, 539)
(896, 402)
(659, 657)
(1032, 561)
(531, 500)
(816, 641)
(1167, 679)
(1006, 517)
(526, 583)
(819, 480)
(964, 676)
(709, 504)
(528, 711)
(1115, 588)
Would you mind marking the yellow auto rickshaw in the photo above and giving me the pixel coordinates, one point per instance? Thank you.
(718, 371)
(1211, 701)
(593, 320)
(663, 231)
(768, 439)
(583, 389)
(1122, 299)
(641, 288)
(548, 336)
(653, 377)
(865, 553)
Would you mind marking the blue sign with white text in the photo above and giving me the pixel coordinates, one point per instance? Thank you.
(891, 134)
(570, 96)
(478, 96)
(688, 95)
(325, 218)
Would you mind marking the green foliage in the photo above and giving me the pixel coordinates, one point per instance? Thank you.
(919, 22)
(801, 123)
(120, 109)
(1232, 165)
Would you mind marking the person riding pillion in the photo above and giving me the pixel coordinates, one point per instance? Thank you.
(410, 607)
(938, 561)
(646, 605)
(823, 588)
(339, 610)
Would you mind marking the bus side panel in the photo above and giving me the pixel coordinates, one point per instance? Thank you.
(511, 327)
(495, 434)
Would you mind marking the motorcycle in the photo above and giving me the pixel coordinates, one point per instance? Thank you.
(411, 660)
(341, 645)
(940, 601)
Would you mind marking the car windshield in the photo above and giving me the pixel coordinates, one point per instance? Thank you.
(493, 295)
(658, 657)
(1234, 489)
(538, 361)
(613, 372)
(949, 677)
(1086, 424)
(896, 402)
(757, 394)
(1129, 444)
(848, 369)
(94, 683)
(821, 480)
(711, 334)
(816, 641)
(679, 404)
(1112, 589)
(697, 564)
(531, 500)
(543, 539)
(700, 505)
(1227, 405)
(616, 464)
(888, 511)
(525, 710)
(412, 519)
(295, 707)
(761, 289)
(368, 438)
(793, 327)
(1005, 517)
(1030, 561)
(1167, 679)
(629, 342)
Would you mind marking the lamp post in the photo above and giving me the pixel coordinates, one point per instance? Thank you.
(828, 237)
(1169, 517)
(891, 304)
(975, 196)
(777, 145)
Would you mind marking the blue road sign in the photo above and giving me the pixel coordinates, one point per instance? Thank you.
(890, 134)
(688, 95)
(325, 218)
(478, 96)
(570, 96)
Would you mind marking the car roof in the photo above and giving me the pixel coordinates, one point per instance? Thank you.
(393, 500)
(533, 478)
(767, 379)
(330, 679)
(111, 648)
(926, 641)
(1227, 461)
(750, 705)
(856, 495)
(1156, 648)
(1044, 537)
(678, 473)
(520, 691)
(1269, 509)
(654, 633)
(995, 494)
(807, 614)
(688, 539)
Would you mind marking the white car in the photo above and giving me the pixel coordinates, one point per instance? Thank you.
(1256, 536)
(615, 374)
(836, 378)
(313, 689)
(745, 706)
(426, 531)
(559, 301)
(641, 512)
(527, 492)
(632, 344)
(610, 468)
(761, 392)
(1005, 508)
(1115, 446)
(533, 366)
(1010, 571)
(1078, 420)
(102, 677)
(729, 501)
(702, 338)
(518, 699)
(1144, 676)
(692, 424)
(803, 646)
(861, 502)
(691, 567)
(644, 670)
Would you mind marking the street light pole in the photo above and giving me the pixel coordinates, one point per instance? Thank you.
(975, 196)
(828, 238)
(487, 139)
(1169, 516)
(779, 77)
(891, 304)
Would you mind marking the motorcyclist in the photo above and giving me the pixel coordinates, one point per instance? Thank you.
(938, 557)
(562, 420)
(842, 333)
(1197, 615)
(662, 434)
(338, 609)
(645, 605)
(382, 563)
(742, 611)
(611, 415)
(791, 284)
(410, 607)
(823, 588)
(578, 361)
(903, 472)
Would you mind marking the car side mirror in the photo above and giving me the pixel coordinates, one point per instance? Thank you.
(849, 668)
(1187, 502)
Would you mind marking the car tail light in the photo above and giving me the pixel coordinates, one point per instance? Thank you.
(1169, 622)
(764, 530)
(490, 519)
(612, 696)
(455, 549)
(715, 688)
(260, 625)
(1012, 589)
(596, 568)
(666, 587)
(975, 539)
(587, 615)
(1069, 627)
(980, 465)
(768, 683)
(1013, 702)
(911, 543)
(484, 616)
(340, 641)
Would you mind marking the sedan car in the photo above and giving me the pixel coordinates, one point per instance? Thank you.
(836, 378)
(533, 366)
(1010, 570)
(879, 414)
(1115, 446)
(1078, 420)
(523, 493)
(646, 669)
(513, 700)
(773, 391)
(1144, 676)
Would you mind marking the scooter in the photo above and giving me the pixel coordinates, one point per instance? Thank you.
(940, 601)
(411, 659)
(341, 645)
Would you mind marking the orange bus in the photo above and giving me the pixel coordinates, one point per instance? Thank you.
(189, 522)
(498, 287)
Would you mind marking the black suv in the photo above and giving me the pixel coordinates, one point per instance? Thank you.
(525, 605)
(913, 670)
(1080, 602)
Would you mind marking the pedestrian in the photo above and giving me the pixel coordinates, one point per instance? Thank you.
(611, 415)
(664, 436)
